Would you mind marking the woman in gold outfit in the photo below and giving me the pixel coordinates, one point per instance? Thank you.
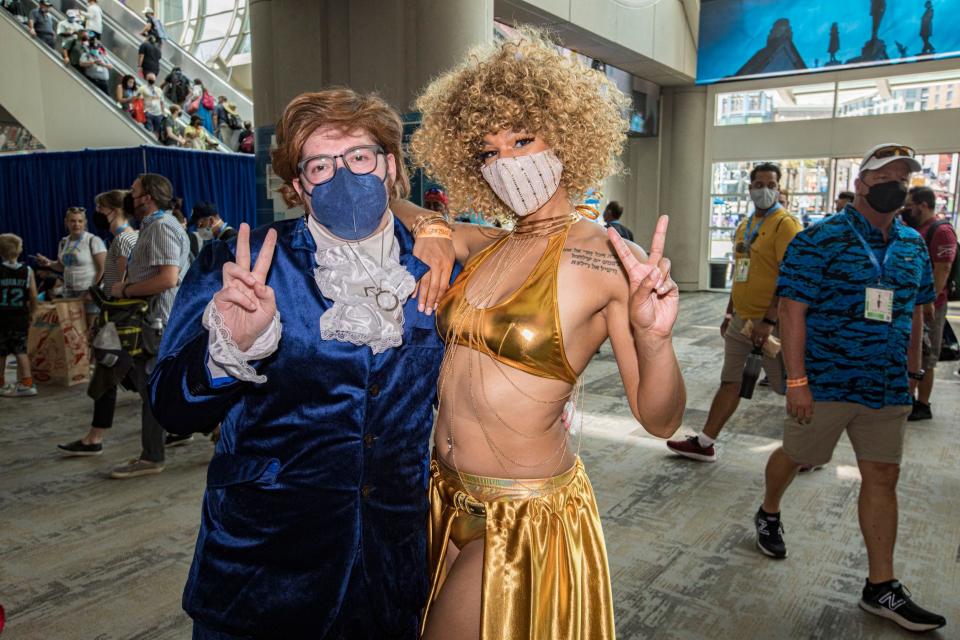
(520, 132)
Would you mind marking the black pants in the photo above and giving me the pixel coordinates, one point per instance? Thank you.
(101, 84)
(151, 433)
(104, 408)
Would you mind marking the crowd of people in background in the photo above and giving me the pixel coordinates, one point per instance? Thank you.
(77, 38)
(146, 260)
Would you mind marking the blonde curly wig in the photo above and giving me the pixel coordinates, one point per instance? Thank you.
(527, 86)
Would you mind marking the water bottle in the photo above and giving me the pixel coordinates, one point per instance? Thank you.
(751, 372)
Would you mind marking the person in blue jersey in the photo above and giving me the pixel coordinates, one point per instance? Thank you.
(304, 339)
(852, 289)
(18, 301)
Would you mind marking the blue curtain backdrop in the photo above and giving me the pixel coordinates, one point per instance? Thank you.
(37, 188)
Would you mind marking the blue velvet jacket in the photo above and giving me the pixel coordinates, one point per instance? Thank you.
(314, 517)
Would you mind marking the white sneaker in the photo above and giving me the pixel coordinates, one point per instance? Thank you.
(18, 391)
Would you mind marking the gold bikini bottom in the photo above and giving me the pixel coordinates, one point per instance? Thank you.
(545, 571)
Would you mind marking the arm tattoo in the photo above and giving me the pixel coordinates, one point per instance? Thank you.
(593, 260)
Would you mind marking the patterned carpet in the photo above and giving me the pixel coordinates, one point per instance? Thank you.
(83, 557)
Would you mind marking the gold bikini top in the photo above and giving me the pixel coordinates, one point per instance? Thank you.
(523, 331)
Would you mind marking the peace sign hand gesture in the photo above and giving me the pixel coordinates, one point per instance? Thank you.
(245, 302)
(654, 297)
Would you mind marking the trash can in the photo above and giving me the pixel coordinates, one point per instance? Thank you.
(718, 274)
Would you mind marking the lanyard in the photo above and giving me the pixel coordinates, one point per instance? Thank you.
(149, 219)
(877, 267)
(750, 232)
(70, 252)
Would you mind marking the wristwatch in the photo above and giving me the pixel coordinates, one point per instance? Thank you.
(916, 375)
(770, 322)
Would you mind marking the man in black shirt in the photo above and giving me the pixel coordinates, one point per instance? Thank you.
(611, 218)
(148, 59)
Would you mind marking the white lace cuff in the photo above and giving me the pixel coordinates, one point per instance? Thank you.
(225, 356)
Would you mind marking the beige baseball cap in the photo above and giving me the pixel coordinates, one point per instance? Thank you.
(883, 154)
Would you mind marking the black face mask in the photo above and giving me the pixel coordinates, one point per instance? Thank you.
(128, 207)
(909, 217)
(101, 221)
(887, 197)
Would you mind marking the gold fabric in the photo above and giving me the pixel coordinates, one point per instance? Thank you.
(523, 331)
(545, 571)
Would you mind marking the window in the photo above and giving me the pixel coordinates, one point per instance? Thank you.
(898, 94)
(807, 102)
(939, 172)
(215, 31)
(895, 94)
(806, 181)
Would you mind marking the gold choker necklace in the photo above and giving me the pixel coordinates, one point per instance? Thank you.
(546, 226)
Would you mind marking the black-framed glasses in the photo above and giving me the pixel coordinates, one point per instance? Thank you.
(359, 161)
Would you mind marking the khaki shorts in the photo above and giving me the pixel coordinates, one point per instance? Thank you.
(736, 348)
(933, 338)
(876, 434)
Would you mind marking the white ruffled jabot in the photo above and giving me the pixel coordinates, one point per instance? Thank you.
(368, 286)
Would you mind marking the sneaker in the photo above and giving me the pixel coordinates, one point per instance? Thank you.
(135, 468)
(807, 468)
(690, 448)
(893, 600)
(770, 535)
(78, 448)
(921, 411)
(176, 440)
(19, 391)
(765, 382)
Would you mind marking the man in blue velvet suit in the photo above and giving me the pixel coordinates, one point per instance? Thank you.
(322, 371)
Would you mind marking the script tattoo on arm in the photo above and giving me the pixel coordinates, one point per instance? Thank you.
(594, 260)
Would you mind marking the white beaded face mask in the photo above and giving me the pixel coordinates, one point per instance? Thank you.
(524, 183)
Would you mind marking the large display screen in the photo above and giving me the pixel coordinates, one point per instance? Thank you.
(759, 38)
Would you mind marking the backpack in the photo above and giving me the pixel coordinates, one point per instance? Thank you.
(195, 245)
(207, 101)
(74, 51)
(181, 84)
(246, 145)
(953, 280)
(233, 121)
(162, 134)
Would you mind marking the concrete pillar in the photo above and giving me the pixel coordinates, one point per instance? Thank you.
(684, 182)
(393, 47)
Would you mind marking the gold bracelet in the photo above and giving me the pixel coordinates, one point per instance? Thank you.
(793, 383)
(435, 231)
(429, 220)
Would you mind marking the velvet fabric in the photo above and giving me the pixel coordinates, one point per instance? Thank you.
(313, 522)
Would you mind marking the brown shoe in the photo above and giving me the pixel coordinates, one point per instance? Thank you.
(136, 468)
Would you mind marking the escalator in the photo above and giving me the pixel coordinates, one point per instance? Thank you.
(54, 119)
(54, 102)
(121, 29)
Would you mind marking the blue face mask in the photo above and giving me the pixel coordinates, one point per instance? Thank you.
(350, 206)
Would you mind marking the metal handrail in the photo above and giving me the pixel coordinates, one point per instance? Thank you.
(88, 87)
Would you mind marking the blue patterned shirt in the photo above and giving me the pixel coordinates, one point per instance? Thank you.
(849, 358)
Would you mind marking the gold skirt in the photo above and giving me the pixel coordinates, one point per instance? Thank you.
(545, 571)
